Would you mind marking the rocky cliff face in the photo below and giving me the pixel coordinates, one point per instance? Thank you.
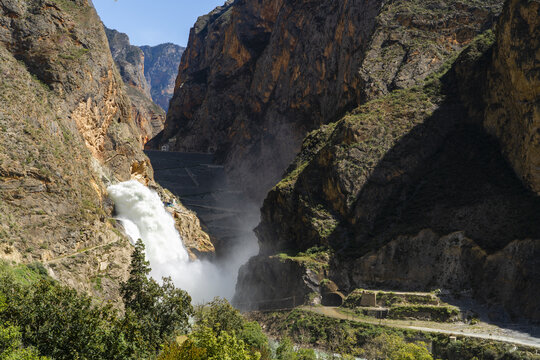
(411, 190)
(452, 262)
(130, 61)
(67, 131)
(257, 76)
(513, 96)
(161, 69)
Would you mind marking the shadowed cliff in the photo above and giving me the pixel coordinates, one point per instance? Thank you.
(418, 190)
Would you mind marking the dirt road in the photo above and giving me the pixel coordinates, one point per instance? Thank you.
(481, 330)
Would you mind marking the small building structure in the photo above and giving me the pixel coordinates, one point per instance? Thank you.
(369, 299)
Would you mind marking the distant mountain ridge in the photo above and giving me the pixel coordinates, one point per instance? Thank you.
(129, 60)
(149, 73)
(160, 69)
(152, 69)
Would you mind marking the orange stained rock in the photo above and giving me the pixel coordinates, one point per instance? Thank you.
(235, 49)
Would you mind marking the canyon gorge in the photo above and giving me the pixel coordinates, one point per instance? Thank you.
(302, 151)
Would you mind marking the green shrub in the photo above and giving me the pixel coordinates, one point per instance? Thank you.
(393, 347)
(205, 344)
(353, 299)
(184, 351)
(306, 354)
(63, 324)
(11, 347)
(23, 274)
(253, 336)
(285, 350)
(434, 313)
(220, 316)
(57, 321)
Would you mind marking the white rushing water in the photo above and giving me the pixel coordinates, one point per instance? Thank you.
(143, 216)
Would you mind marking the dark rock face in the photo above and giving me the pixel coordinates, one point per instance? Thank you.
(412, 191)
(452, 262)
(130, 61)
(513, 90)
(276, 284)
(256, 77)
(161, 69)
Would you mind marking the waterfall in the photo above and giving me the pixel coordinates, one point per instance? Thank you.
(143, 216)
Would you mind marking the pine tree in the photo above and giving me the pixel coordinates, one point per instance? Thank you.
(135, 292)
(160, 310)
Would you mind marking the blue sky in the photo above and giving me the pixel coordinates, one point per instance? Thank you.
(153, 22)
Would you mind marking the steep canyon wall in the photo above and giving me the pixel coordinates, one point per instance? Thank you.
(423, 188)
(67, 132)
(256, 77)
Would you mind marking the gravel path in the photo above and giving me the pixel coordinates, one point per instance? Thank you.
(481, 330)
(76, 253)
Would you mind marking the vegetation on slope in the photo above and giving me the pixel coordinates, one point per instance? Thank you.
(39, 316)
(63, 324)
(379, 342)
(42, 317)
(368, 186)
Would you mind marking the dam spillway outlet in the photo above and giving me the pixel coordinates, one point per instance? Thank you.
(144, 216)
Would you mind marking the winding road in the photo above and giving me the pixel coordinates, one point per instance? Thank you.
(481, 330)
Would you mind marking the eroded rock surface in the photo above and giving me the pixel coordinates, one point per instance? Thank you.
(412, 191)
(130, 61)
(67, 132)
(513, 95)
(256, 77)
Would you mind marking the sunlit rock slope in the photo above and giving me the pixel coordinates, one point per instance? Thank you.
(66, 132)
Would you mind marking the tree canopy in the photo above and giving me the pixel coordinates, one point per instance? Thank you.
(56, 321)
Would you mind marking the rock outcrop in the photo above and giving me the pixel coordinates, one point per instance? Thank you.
(67, 132)
(513, 95)
(161, 69)
(197, 242)
(452, 262)
(417, 189)
(130, 61)
(256, 77)
(276, 283)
